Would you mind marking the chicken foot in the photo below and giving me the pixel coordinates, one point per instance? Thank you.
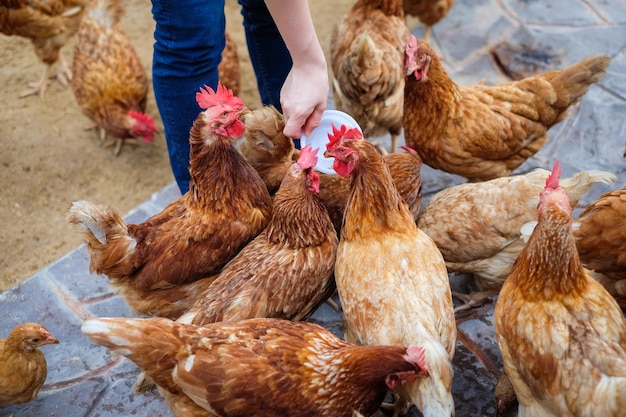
(400, 406)
(38, 87)
(119, 142)
(63, 75)
(473, 299)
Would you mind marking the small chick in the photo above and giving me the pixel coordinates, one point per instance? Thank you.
(23, 367)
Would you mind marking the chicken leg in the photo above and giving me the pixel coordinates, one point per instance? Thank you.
(63, 75)
(473, 299)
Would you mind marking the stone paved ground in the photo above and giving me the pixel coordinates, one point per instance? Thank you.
(487, 41)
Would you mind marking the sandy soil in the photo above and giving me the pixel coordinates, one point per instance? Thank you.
(48, 158)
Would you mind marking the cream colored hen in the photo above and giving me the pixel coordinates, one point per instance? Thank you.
(485, 226)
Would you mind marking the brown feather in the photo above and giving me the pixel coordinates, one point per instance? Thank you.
(389, 271)
(483, 234)
(429, 12)
(285, 272)
(49, 25)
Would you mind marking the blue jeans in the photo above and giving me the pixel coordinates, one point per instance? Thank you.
(189, 39)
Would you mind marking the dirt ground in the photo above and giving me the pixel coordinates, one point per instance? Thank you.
(48, 158)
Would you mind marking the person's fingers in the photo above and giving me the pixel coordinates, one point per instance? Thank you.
(293, 127)
(312, 121)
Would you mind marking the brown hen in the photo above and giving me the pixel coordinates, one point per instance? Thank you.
(23, 367)
(484, 132)
(258, 367)
(600, 233)
(110, 83)
(366, 54)
(49, 24)
(226, 206)
(561, 334)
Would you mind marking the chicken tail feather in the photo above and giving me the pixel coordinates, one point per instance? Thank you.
(105, 234)
(574, 81)
(578, 185)
(128, 335)
(144, 341)
(107, 12)
(97, 221)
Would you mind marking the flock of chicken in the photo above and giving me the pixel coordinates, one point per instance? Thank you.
(230, 272)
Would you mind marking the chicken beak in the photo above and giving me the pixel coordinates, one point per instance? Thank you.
(52, 340)
(242, 114)
(48, 339)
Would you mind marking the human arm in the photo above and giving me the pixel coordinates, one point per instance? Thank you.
(305, 91)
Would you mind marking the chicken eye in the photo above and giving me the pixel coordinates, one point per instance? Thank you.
(224, 115)
(35, 340)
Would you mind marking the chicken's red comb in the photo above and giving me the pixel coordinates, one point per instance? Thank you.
(308, 157)
(208, 98)
(416, 355)
(146, 119)
(411, 46)
(345, 133)
(553, 179)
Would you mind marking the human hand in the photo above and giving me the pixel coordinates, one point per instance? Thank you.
(303, 98)
(305, 91)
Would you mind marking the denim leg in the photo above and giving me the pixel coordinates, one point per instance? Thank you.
(269, 55)
(189, 39)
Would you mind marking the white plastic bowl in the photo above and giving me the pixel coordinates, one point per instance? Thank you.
(319, 137)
